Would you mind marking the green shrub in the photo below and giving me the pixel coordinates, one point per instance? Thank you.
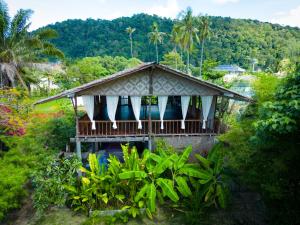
(14, 171)
(26, 154)
(49, 181)
(263, 147)
(55, 132)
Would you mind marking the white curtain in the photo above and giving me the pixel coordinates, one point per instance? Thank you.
(206, 104)
(88, 103)
(185, 100)
(112, 104)
(162, 103)
(136, 106)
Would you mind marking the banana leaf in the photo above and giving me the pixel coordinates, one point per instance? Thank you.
(184, 157)
(183, 187)
(221, 196)
(194, 172)
(132, 174)
(155, 157)
(167, 187)
(203, 161)
(151, 197)
(165, 164)
(141, 193)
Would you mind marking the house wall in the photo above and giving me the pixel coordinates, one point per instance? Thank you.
(200, 144)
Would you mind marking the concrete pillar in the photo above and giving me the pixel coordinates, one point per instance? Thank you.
(78, 149)
(150, 144)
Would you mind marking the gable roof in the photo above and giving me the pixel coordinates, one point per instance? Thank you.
(76, 91)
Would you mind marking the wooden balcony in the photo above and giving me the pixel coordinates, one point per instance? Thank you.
(130, 128)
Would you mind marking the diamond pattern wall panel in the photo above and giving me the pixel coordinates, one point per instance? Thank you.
(164, 83)
(135, 84)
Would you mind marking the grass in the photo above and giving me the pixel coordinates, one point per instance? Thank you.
(60, 216)
(52, 106)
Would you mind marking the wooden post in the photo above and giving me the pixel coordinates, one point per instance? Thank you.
(149, 125)
(149, 110)
(78, 143)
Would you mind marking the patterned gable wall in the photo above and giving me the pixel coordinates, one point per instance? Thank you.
(135, 84)
(164, 83)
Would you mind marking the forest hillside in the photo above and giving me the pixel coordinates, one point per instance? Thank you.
(232, 41)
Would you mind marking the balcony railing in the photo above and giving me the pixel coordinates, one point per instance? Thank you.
(130, 128)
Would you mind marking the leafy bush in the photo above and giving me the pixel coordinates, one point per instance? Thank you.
(49, 182)
(13, 176)
(27, 154)
(142, 182)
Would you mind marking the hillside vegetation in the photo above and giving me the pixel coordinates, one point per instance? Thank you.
(233, 41)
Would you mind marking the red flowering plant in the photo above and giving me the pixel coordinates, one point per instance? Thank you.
(12, 116)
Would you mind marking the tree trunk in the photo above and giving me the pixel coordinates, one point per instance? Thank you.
(188, 62)
(131, 47)
(48, 86)
(156, 52)
(176, 66)
(21, 80)
(201, 58)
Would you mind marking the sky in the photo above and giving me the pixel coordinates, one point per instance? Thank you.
(285, 12)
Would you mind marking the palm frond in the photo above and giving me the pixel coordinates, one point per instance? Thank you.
(46, 34)
(50, 50)
(4, 20)
(19, 23)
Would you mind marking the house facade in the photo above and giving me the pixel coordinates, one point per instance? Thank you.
(145, 104)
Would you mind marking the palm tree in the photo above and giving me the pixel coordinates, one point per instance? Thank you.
(130, 31)
(204, 32)
(175, 39)
(18, 47)
(156, 37)
(187, 31)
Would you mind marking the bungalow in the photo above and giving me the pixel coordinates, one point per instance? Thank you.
(145, 103)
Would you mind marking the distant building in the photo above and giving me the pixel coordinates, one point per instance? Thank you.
(232, 71)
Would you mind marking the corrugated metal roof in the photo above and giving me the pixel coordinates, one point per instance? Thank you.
(229, 68)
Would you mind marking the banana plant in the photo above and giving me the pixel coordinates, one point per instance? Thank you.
(213, 184)
(164, 175)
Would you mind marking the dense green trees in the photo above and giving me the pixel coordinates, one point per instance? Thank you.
(173, 60)
(90, 68)
(233, 41)
(263, 146)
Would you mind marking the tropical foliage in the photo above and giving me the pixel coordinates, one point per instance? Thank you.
(19, 47)
(144, 182)
(156, 37)
(50, 179)
(263, 148)
(90, 68)
(187, 33)
(14, 109)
